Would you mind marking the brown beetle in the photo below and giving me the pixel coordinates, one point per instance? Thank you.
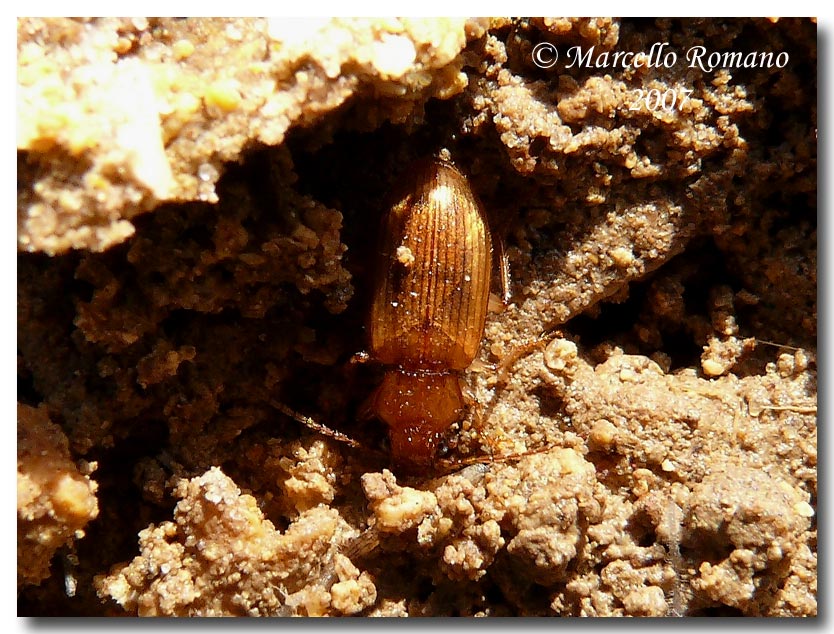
(429, 306)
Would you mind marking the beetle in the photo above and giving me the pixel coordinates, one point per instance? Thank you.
(432, 277)
(433, 273)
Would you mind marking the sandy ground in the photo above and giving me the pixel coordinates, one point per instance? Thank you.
(197, 203)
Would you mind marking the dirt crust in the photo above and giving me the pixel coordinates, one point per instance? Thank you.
(197, 211)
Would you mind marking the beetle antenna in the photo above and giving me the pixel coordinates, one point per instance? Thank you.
(777, 345)
(317, 427)
(453, 464)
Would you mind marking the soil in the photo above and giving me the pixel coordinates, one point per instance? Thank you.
(197, 212)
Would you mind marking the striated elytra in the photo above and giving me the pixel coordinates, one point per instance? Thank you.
(429, 305)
